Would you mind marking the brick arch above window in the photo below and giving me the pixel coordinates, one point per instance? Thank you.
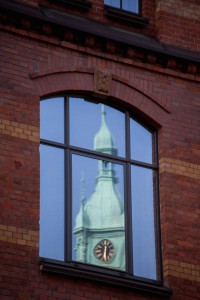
(149, 105)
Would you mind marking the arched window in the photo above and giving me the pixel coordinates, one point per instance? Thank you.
(99, 192)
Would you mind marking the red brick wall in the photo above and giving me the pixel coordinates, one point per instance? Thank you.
(174, 22)
(98, 13)
(178, 23)
(30, 69)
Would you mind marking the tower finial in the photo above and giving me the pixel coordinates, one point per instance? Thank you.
(103, 114)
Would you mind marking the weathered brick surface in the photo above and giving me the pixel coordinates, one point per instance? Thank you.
(177, 23)
(19, 130)
(170, 100)
(16, 235)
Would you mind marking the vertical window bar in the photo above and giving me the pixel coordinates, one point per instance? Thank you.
(128, 221)
(128, 208)
(157, 216)
(127, 129)
(67, 216)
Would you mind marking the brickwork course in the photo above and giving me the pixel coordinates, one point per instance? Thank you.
(37, 61)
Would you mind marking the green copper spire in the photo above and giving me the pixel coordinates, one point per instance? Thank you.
(101, 216)
(104, 208)
(103, 140)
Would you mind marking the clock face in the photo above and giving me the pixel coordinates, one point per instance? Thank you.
(104, 250)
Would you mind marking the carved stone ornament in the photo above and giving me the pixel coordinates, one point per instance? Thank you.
(102, 82)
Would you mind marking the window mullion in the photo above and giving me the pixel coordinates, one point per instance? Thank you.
(52, 143)
(128, 220)
(128, 209)
(157, 215)
(67, 217)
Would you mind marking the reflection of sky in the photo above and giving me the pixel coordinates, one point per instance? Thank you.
(85, 121)
(141, 142)
(52, 119)
(126, 4)
(51, 202)
(144, 252)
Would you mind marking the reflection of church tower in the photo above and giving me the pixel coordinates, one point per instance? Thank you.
(99, 229)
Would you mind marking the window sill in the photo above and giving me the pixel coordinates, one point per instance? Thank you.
(125, 16)
(123, 280)
(81, 4)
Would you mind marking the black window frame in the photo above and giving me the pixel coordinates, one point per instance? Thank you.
(92, 272)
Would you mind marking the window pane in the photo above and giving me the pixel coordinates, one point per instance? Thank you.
(144, 247)
(98, 212)
(115, 3)
(51, 202)
(97, 127)
(52, 119)
(130, 5)
(141, 143)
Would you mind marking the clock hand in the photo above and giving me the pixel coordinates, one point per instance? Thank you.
(104, 253)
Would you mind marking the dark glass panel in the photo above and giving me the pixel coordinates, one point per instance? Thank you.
(97, 127)
(144, 246)
(52, 119)
(141, 142)
(51, 202)
(98, 212)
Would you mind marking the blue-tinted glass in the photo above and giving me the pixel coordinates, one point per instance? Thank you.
(52, 119)
(141, 143)
(51, 202)
(96, 127)
(144, 247)
(115, 3)
(130, 5)
(97, 211)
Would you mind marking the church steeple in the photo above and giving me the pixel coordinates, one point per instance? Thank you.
(102, 214)
(104, 208)
(103, 140)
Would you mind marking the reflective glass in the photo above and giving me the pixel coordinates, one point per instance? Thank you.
(97, 127)
(51, 202)
(130, 5)
(98, 212)
(141, 142)
(115, 3)
(144, 247)
(52, 119)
